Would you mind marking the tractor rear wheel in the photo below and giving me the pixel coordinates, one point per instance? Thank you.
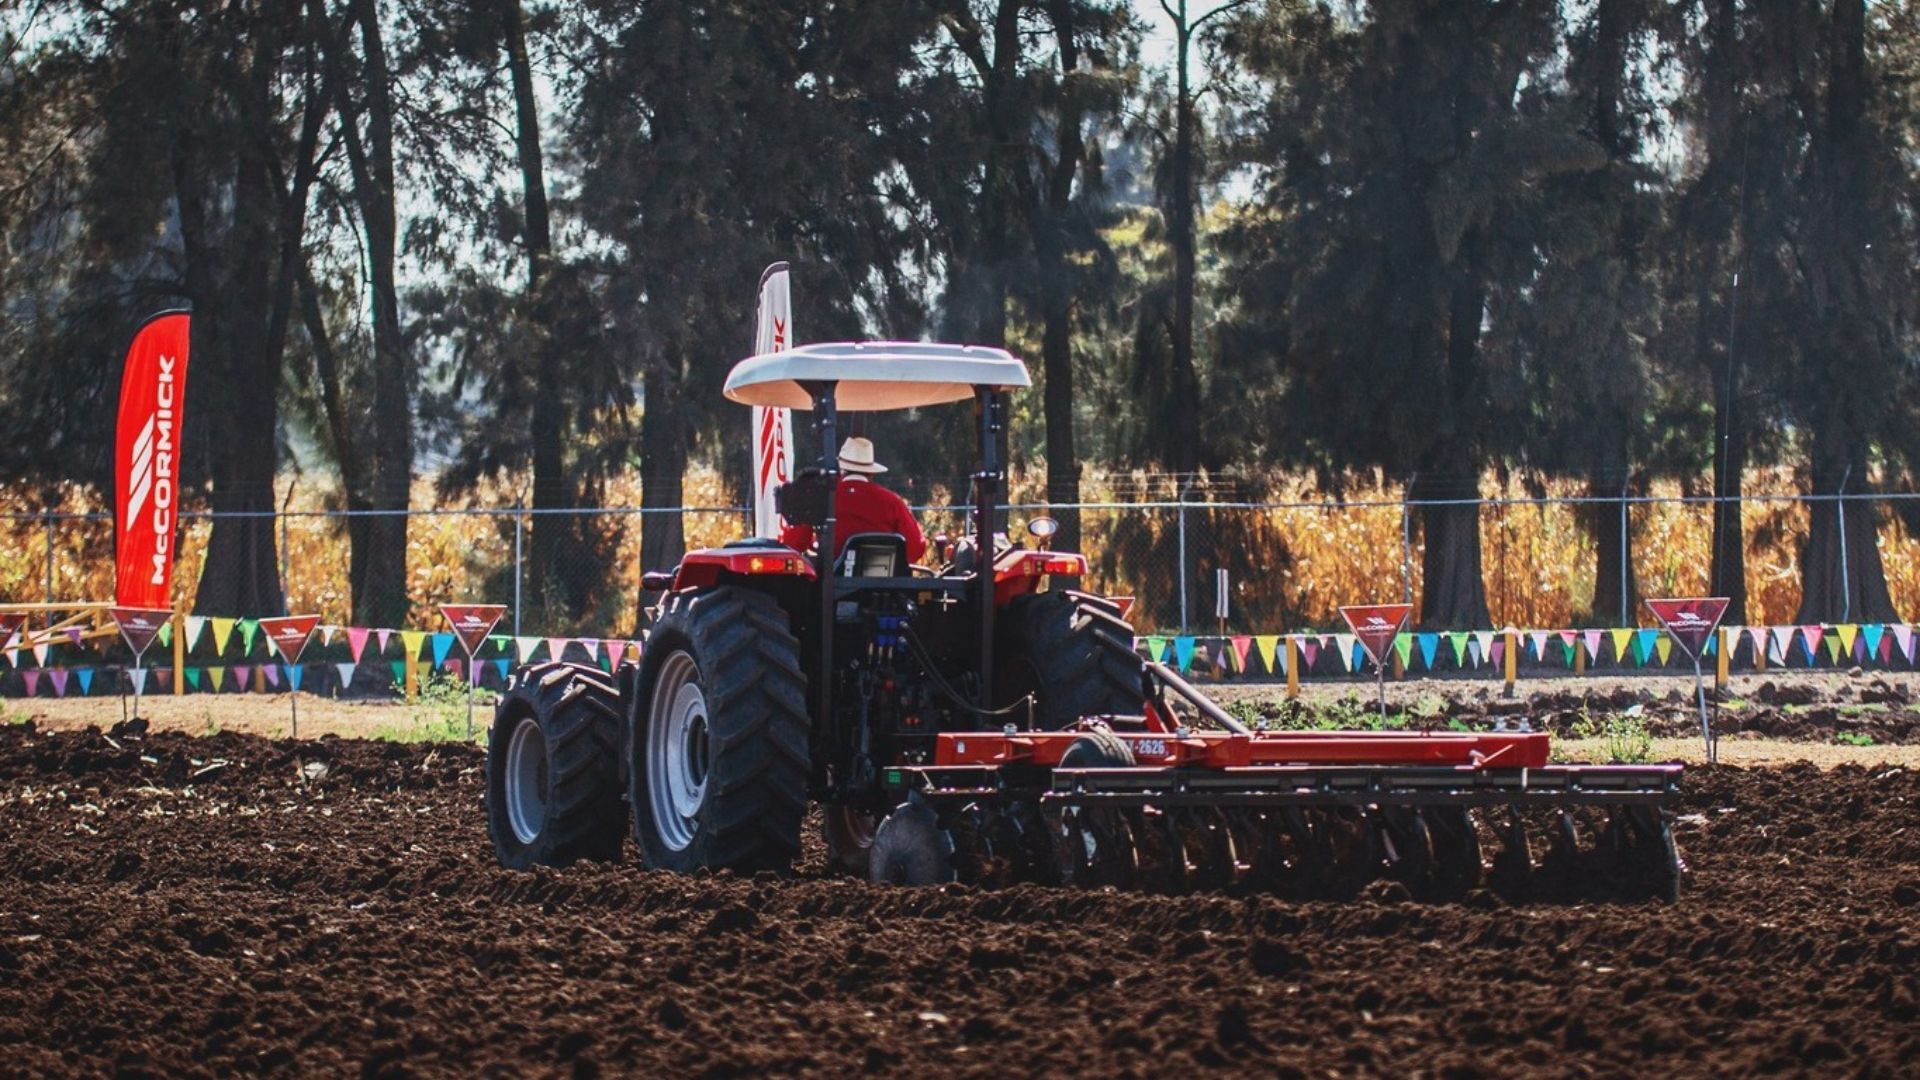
(1050, 647)
(553, 768)
(718, 736)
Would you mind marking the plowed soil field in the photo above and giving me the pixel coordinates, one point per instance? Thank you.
(186, 906)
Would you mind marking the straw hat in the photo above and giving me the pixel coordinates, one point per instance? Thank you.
(856, 456)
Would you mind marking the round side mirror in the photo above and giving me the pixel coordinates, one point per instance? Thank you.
(1042, 527)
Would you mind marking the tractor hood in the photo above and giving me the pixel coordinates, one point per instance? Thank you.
(874, 376)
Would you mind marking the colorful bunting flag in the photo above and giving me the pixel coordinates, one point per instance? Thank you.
(164, 637)
(196, 625)
(1903, 637)
(380, 639)
(1833, 648)
(139, 677)
(1429, 645)
(294, 673)
(248, 629)
(222, 634)
(501, 666)
(1847, 632)
(1457, 641)
(1539, 642)
(1183, 652)
(1592, 639)
(1269, 645)
(1643, 645)
(442, 645)
(1309, 650)
(1485, 640)
(1871, 635)
(410, 642)
(242, 677)
(1499, 652)
(85, 676)
(1663, 644)
(399, 673)
(32, 679)
(1403, 648)
(345, 671)
(523, 647)
(557, 648)
(59, 678)
(193, 677)
(326, 634)
(272, 676)
(357, 641)
(217, 676)
(457, 666)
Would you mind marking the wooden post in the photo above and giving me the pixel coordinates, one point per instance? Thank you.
(1760, 651)
(1579, 658)
(1513, 659)
(1399, 666)
(1720, 660)
(179, 653)
(1293, 667)
(413, 677)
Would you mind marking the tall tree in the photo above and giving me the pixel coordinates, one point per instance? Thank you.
(366, 129)
(1857, 256)
(1391, 150)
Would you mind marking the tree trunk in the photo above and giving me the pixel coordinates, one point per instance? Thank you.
(1182, 438)
(1614, 590)
(552, 488)
(1057, 287)
(1453, 594)
(341, 429)
(245, 317)
(1841, 573)
(663, 466)
(380, 595)
(1728, 573)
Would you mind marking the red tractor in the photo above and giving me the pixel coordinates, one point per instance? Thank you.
(984, 718)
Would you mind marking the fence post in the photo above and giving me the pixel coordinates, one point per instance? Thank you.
(1182, 495)
(1626, 572)
(519, 533)
(49, 565)
(1406, 550)
(1840, 517)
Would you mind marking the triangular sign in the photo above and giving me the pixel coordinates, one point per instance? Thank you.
(1689, 620)
(472, 622)
(139, 625)
(288, 635)
(1375, 625)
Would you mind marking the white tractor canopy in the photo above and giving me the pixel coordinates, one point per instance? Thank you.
(873, 376)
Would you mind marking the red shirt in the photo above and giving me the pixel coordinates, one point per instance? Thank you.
(862, 506)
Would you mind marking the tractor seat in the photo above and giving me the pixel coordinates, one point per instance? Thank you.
(874, 554)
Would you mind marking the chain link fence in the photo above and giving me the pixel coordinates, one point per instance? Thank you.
(1287, 565)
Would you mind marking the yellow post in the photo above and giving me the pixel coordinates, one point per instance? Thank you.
(1760, 652)
(413, 677)
(1720, 660)
(1293, 667)
(1579, 658)
(1513, 658)
(179, 653)
(1399, 667)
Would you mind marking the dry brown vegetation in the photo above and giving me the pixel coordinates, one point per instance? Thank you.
(1293, 564)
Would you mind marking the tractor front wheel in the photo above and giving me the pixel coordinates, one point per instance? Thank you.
(718, 736)
(553, 768)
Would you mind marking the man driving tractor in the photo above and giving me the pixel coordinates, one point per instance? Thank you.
(863, 506)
